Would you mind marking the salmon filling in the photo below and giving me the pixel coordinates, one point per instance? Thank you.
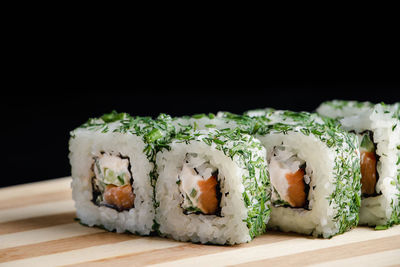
(121, 197)
(112, 182)
(199, 186)
(289, 178)
(296, 193)
(368, 160)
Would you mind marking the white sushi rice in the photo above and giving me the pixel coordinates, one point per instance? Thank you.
(87, 144)
(320, 162)
(230, 228)
(379, 119)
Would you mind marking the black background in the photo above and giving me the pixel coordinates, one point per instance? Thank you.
(36, 125)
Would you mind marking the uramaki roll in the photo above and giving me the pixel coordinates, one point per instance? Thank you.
(213, 187)
(112, 160)
(314, 171)
(378, 129)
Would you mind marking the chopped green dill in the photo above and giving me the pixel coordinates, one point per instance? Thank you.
(97, 164)
(210, 125)
(121, 179)
(113, 116)
(246, 199)
(195, 126)
(105, 129)
(219, 142)
(381, 227)
(193, 209)
(193, 193)
(207, 140)
(358, 200)
(280, 202)
(153, 135)
(199, 116)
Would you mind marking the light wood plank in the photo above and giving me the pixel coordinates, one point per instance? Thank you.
(46, 234)
(96, 252)
(384, 258)
(37, 229)
(37, 210)
(243, 255)
(61, 245)
(28, 199)
(181, 252)
(36, 188)
(322, 256)
(36, 223)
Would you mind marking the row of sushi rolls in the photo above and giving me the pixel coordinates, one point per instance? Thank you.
(226, 178)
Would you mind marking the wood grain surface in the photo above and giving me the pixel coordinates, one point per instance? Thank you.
(37, 228)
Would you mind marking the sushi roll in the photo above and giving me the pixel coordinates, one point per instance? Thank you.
(314, 171)
(377, 127)
(213, 187)
(112, 160)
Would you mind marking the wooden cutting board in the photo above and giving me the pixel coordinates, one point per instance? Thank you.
(37, 228)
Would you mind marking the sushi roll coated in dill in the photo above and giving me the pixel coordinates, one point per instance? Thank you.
(213, 187)
(112, 160)
(377, 127)
(314, 172)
